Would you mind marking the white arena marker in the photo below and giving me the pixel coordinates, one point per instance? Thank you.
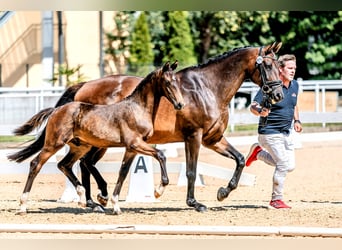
(141, 183)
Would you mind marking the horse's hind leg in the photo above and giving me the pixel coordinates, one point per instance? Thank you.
(87, 164)
(35, 166)
(224, 148)
(66, 164)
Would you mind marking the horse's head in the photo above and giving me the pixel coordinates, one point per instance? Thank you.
(268, 78)
(169, 85)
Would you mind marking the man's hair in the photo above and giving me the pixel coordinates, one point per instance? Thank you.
(284, 58)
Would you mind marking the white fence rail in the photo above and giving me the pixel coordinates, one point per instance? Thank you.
(18, 105)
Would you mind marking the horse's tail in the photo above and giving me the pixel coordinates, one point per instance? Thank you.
(33, 147)
(69, 94)
(38, 119)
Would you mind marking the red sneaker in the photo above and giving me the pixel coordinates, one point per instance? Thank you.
(252, 155)
(278, 204)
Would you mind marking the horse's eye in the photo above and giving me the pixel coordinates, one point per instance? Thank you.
(268, 66)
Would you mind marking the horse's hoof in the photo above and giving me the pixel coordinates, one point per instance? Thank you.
(200, 208)
(222, 193)
(91, 203)
(102, 199)
(98, 209)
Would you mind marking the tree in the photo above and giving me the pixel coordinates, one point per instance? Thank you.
(314, 37)
(119, 42)
(141, 49)
(191, 37)
(178, 40)
(218, 32)
(156, 23)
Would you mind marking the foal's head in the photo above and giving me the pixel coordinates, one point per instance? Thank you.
(266, 73)
(168, 85)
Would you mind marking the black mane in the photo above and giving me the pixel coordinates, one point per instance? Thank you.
(217, 58)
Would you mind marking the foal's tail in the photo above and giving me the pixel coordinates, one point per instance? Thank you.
(38, 143)
(38, 119)
(34, 122)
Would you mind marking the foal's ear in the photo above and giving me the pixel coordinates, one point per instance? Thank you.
(174, 65)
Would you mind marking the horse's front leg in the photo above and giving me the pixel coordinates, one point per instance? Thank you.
(223, 147)
(87, 164)
(192, 147)
(124, 169)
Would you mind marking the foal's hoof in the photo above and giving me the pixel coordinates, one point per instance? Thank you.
(156, 194)
(21, 213)
(222, 193)
(117, 212)
(82, 204)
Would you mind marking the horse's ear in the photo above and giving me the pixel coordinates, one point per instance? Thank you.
(277, 47)
(273, 47)
(174, 65)
(166, 66)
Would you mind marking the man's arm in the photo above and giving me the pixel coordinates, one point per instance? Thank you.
(257, 110)
(297, 123)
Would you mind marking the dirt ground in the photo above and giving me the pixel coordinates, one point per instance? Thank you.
(314, 190)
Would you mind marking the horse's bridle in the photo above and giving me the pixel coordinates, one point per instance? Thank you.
(267, 86)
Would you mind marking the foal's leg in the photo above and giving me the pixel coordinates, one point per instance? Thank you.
(143, 148)
(140, 147)
(223, 147)
(124, 169)
(87, 164)
(66, 164)
(35, 166)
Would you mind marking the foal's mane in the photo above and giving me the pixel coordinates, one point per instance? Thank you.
(143, 82)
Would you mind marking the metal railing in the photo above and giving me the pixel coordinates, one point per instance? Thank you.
(18, 105)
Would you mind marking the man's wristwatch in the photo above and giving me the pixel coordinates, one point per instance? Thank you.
(297, 121)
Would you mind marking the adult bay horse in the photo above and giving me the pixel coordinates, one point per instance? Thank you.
(207, 89)
(128, 124)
